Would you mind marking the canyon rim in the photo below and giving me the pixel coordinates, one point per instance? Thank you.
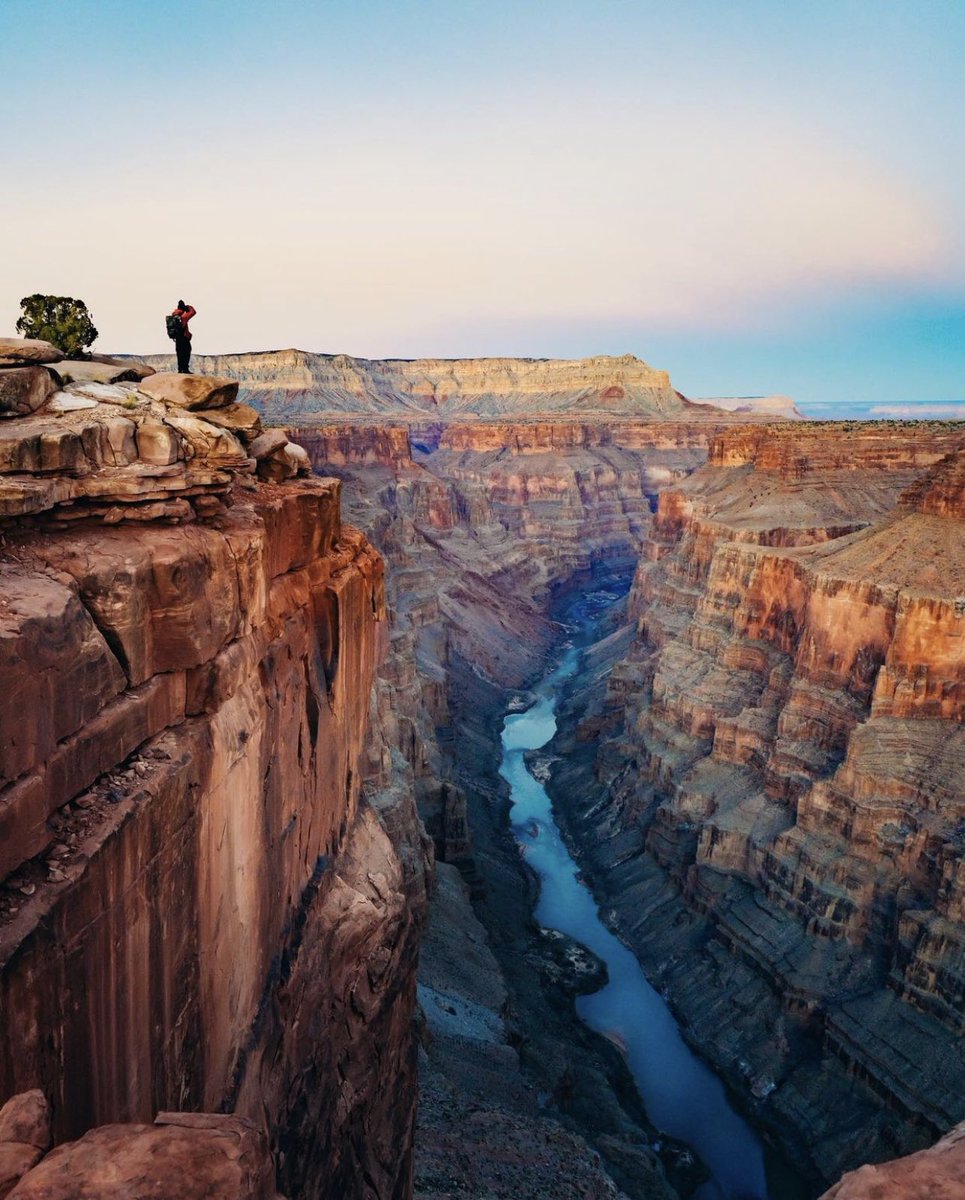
(264, 925)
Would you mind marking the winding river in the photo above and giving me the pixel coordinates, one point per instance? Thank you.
(682, 1096)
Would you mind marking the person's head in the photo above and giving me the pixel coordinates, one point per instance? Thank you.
(182, 305)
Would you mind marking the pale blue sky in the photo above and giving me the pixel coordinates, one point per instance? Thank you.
(755, 196)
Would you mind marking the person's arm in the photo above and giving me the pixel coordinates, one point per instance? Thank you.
(186, 316)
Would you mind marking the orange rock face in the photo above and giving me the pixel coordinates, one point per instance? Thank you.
(792, 712)
(199, 911)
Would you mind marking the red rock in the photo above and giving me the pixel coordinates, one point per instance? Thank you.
(16, 1160)
(183, 1156)
(57, 670)
(25, 1118)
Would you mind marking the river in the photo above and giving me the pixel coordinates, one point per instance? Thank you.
(681, 1094)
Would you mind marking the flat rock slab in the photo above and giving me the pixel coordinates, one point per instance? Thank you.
(140, 369)
(25, 389)
(124, 394)
(240, 419)
(83, 371)
(191, 391)
(64, 402)
(27, 350)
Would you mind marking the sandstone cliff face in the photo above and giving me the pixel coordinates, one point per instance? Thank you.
(783, 769)
(199, 910)
(294, 384)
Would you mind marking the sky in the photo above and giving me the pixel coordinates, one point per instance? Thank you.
(760, 196)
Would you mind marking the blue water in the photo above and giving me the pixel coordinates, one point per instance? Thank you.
(682, 1096)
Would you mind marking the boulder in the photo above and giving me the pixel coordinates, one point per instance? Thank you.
(183, 1156)
(26, 1118)
(190, 391)
(16, 351)
(16, 1159)
(268, 443)
(240, 419)
(284, 463)
(24, 389)
(157, 443)
(207, 441)
(81, 371)
(279, 459)
(298, 455)
(123, 394)
(934, 1174)
(24, 1136)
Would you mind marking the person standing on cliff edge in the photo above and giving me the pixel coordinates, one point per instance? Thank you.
(182, 341)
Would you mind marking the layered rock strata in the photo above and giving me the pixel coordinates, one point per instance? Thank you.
(473, 560)
(198, 910)
(295, 386)
(778, 787)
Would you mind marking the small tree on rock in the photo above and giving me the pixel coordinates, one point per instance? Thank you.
(61, 320)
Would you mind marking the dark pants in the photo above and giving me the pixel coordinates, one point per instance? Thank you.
(183, 348)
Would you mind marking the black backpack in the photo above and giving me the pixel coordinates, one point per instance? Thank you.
(174, 327)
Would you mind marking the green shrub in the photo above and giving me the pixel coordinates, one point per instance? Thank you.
(60, 320)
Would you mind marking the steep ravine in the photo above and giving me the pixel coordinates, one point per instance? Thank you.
(227, 761)
(766, 787)
(467, 601)
(458, 520)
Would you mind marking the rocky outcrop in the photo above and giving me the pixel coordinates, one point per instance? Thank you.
(779, 811)
(938, 1174)
(297, 386)
(182, 1155)
(199, 910)
(190, 391)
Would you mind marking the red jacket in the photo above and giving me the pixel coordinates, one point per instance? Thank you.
(185, 314)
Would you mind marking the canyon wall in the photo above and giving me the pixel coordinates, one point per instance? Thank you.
(294, 386)
(218, 741)
(479, 522)
(199, 909)
(770, 787)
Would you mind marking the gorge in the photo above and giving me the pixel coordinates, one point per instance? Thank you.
(758, 768)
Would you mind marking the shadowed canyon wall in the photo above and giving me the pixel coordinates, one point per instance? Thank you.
(199, 910)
